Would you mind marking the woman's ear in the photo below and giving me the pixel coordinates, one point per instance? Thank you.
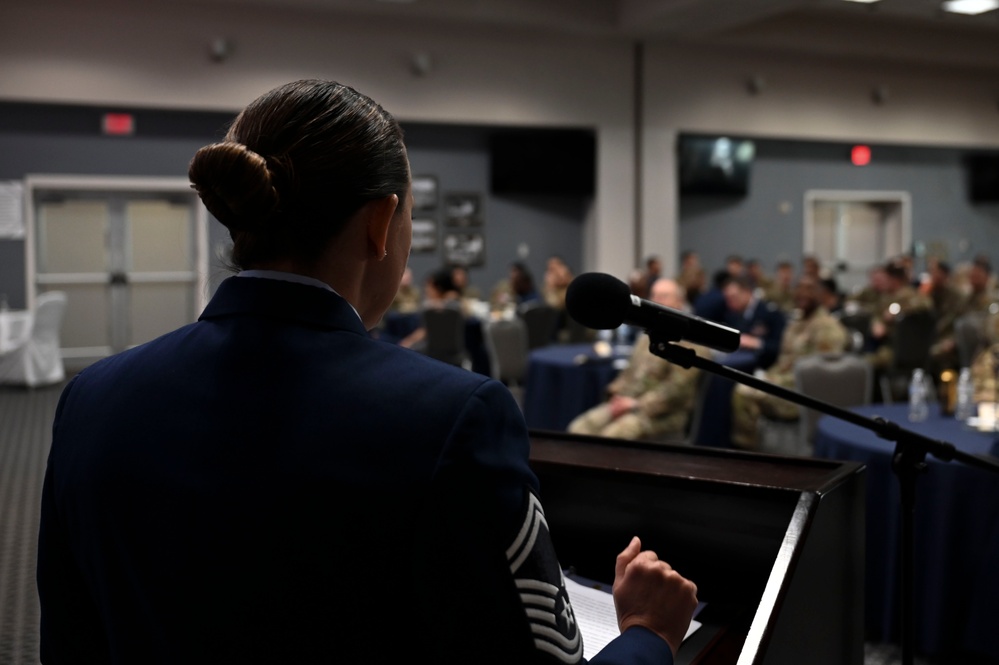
(378, 218)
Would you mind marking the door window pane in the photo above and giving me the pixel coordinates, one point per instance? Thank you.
(72, 237)
(161, 236)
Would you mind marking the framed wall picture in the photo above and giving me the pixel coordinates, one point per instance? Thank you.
(424, 193)
(467, 249)
(424, 235)
(462, 210)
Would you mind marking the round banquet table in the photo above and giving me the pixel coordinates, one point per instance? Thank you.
(956, 534)
(565, 380)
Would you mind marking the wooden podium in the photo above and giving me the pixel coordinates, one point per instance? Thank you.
(774, 544)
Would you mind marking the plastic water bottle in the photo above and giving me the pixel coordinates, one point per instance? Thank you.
(965, 396)
(919, 409)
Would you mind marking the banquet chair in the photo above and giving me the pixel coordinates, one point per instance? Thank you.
(911, 341)
(38, 361)
(858, 325)
(970, 337)
(541, 321)
(506, 344)
(842, 380)
(446, 336)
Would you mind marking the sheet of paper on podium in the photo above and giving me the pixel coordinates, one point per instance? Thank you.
(596, 617)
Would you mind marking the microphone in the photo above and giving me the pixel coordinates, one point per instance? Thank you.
(603, 302)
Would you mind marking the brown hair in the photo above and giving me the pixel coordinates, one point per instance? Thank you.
(296, 164)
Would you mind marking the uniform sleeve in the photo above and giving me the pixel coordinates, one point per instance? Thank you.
(71, 630)
(493, 584)
(674, 391)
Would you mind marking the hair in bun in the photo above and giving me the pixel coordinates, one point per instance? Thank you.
(235, 185)
(295, 166)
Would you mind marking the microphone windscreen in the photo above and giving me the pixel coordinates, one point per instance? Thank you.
(597, 300)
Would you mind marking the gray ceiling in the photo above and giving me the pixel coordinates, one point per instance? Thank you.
(898, 30)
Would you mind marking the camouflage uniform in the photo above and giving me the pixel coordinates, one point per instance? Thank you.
(948, 304)
(983, 375)
(867, 299)
(665, 394)
(909, 301)
(780, 296)
(980, 302)
(820, 333)
(407, 300)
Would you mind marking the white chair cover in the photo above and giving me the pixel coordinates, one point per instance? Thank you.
(37, 361)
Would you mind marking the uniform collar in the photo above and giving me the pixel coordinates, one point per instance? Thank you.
(282, 299)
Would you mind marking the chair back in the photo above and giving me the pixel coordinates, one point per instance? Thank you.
(49, 309)
(541, 321)
(506, 344)
(445, 335)
(858, 325)
(969, 337)
(577, 333)
(911, 342)
(842, 380)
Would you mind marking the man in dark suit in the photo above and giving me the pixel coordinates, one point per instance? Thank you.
(760, 322)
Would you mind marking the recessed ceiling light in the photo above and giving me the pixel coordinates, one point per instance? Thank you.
(970, 7)
(866, 2)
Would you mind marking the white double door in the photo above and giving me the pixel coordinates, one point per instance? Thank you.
(849, 232)
(131, 256)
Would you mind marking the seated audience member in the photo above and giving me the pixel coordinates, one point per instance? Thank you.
(781, 291)
(948, 305)
(637, 284)
(459, 276)
(760, 322)
(557, 278)
(692, 277)
(812, 331)
(651, 398)
(407, 298)
(517, 289)
(830, 297)
(982, 293)
(439, 292)
(757, 278)
(869, 297)
(711, 304)
(653, 271)
(899, 299)
(811, 266)
(735, 266)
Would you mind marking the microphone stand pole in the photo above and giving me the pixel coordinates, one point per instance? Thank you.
(908, 461)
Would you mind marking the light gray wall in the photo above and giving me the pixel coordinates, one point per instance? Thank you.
(755, 226)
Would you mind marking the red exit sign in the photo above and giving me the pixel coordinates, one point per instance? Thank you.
(118, 124)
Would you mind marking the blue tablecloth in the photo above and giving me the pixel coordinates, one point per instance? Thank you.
(956, 533)
(562, 382)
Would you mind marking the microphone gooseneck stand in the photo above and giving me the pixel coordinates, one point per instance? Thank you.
(908, 461)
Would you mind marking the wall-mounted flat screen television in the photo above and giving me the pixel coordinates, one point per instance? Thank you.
(714, 164)
(983, 176)
(558, 162)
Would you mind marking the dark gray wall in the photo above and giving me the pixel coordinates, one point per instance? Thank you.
(459, 158)
(783, 171)
(44, 139)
